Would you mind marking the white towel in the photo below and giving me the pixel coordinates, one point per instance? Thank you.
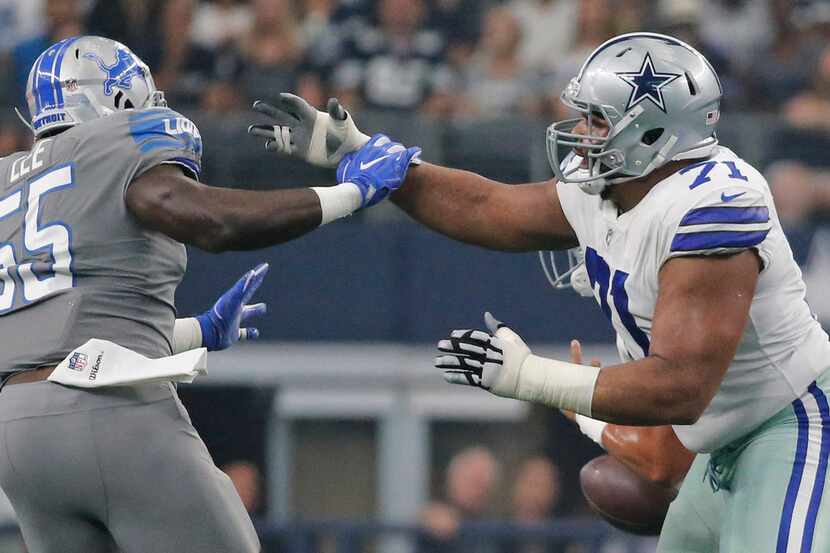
(100, 363)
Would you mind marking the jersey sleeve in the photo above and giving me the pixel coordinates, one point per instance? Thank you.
(720, 221)
(163, 136)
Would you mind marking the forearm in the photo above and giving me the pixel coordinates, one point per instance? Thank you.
(252, 220)
(473, 209)
(221, 219)
(649, 392)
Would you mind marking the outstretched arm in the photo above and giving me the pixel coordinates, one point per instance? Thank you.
(473, 209)
(458, 204)
(221, 219)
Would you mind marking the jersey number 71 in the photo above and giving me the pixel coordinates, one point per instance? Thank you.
(599, 273)
(37, 279)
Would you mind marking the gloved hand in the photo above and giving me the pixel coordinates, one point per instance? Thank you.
(490, 360)
(299, 130)
(377, 168)
(221, 324)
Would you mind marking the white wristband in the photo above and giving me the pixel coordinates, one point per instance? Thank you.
(557, 384)
(187, 335)
(338, 201)
(591, 427)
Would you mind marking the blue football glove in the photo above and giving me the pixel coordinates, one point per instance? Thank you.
(221, 324)
(377, 168)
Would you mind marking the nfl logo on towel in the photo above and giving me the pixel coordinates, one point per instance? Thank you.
(78, 361)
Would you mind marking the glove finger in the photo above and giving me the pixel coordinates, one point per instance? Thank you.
(447, 362)
(255, 310)
(472, 348)
(472, 336)
(471, 363)
(460, 377)
(446, 345)
(248, 334)
(456, 346)
(500, 330)
(493, 324)
(296, 106)
(284, 117)
(379, 140)
(253, 279)
(335, 110)
(265, 131)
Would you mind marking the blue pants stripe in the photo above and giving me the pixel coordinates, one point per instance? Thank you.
(795, 476)
(821, 472)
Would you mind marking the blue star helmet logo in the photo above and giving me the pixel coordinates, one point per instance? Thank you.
(647, 84)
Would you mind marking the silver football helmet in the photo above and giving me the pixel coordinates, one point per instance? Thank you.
(659, 98)
(84, 78)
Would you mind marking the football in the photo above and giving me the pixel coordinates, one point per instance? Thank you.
(624, 498)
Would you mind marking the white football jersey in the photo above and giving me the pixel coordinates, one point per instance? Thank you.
(715, 206)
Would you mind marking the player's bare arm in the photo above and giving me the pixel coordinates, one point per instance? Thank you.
(459, 204)
(473, 209)
(220, 219)
(701, 312)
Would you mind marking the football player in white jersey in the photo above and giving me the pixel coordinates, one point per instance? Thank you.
(686, 257)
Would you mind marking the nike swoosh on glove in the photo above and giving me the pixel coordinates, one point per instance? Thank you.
(378, 168)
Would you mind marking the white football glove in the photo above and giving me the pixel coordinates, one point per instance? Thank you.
(299, 130)
(492, 361)
(500, 361)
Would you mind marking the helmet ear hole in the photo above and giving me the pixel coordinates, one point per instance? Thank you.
(652, 136)
(128, 104)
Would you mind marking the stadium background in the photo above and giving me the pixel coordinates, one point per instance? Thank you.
(337, 432)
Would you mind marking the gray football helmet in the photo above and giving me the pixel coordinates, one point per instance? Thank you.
(658, 96)
(84, 78)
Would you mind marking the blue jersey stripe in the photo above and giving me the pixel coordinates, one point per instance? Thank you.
(795, 477)
(627, 319)
(163, 141)
(725, 215)
(694, 241)
(821, 472)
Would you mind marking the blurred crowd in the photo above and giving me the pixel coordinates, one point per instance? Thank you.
(446, 59)
(470, 484)
(455, 58)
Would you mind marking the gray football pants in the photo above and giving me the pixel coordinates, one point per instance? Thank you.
(114, 469)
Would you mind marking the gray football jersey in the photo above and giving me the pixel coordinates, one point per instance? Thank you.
(74, 264)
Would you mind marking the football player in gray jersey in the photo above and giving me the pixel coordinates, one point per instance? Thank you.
(92, 225)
